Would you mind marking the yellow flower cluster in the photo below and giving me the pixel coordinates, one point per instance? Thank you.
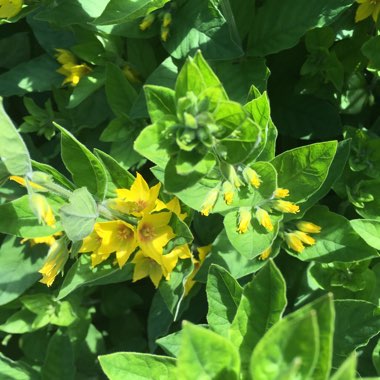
(166, 20)
(297, 239)
(70, 67)
(148, 237)
(10, 8)
(366, 9)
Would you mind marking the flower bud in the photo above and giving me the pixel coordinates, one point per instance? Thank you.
(210, 201)
(264, 219)
(285, 206)
(245, 217)
(252, 177)
(308, 227)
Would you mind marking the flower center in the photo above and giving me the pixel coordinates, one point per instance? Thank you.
(146, 232)
(124, 233)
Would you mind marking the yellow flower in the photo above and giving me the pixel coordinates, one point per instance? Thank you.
(167, 19)
(92, 243)
(116, 236)
(244, 220)
(265, 254)
(202, 254)
(293, 242)
(42, 209)
(304, 237)
(285, 206)
(210, 201)
(139, 200)
(10, 8)
(367, 8)
(56, 259)
(308, 227)
(49, 240)
(164, 33)
(281, 193)
(173, 205)
(153, 233)
(65, 57)
(228, 192)
(147, 22)
(252, 177)
(22, 182)
(264, 219)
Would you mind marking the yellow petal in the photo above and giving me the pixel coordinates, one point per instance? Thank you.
(10, 8)
(308, 227)
(364, 10)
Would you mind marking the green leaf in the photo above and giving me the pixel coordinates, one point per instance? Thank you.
(369, 231)
(14, 154)
(371, 50)
(18, 219)
(59, 361)
(136, 366)
(36, 75)
(86, 87)
(356, 323)
(199, 24)
(337, 240)
(347, 370)
(81, 274)
(223, 297)
(84, 166)
(261, 306)
(376, 357)
(120, 93)
(121, 11)
(11, 370)
(19, 265)
(369, 190)
(56, 175)
(303, 170)
(161, 103)
(206, 355)
(278, 26)
(20, 322)
(289, 350)
(171, 343)
(15, 56)
(79, 215)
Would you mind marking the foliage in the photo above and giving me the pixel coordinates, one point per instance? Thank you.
(189, 189)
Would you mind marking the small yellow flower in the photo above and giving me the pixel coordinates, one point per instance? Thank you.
(153, 233)
(147, 22)
(304, 237)
(308, 227)
(202, 254)
(139, 200)
(56, 259)
(116, 236)
(228, 192)
(167, 19)
(173, 205)
(293, 242)
(264, 219)
(252, 177)
(164, 33)
(281, 193)
(21, 181)
(92, 243)
(42, 209)
(265, 254)
(10, 8)
(244, 220)
(367, 8)
(210, 201)
(65, 57)
(285, 206)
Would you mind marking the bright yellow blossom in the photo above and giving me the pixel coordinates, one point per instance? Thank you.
(153, 233)
(139, 200)
(367, 8)
(56, 259)
(147, 21)
(10, 8)
(202, 254)
(252, 177)
(285, 206)
(308, 227)
(265, 254)
(264, 219)
(116, 236)
(293, 242)
(228, 192)
(42, 209)
(173, 205)
(92, 243)
(21, 181)
(304, 237)
(281, 193)
(244, 220)
(210, 201)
